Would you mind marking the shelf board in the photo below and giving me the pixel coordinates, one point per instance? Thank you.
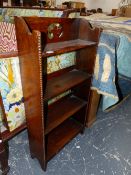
(58, 85)
(66, 46)
(61, 136)
(69, 105)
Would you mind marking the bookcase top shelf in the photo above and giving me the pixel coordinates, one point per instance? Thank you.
(65, 46)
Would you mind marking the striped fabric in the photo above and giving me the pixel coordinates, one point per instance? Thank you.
(7, 37)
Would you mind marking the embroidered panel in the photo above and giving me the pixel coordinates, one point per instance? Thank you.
(11, 92)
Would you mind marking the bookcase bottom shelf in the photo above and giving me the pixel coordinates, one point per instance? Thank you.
(61, 136)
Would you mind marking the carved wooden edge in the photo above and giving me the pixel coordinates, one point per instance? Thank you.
(33, 69)
(90, 33)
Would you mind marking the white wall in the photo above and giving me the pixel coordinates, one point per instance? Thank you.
(106, 5)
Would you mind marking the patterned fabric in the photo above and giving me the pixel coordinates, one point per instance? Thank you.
(7, 14)
(10, 80)
(124, 55)
(60, 61)
(96, 16)
(119, 24)
(104, 74)
(113, 58)
(11, 92)
(7, 37)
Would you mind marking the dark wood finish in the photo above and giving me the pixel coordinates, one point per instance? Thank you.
(4, 119)
(65, 82)
(4, 153)
(30, 2)
(66, 46)
(3, 145)
(61, 136)
(85, 63)
(44, 127)
(15, 2)
(69, 33)
(60, 72)
(8, 54)
(57, 116)
(32, 90)
(6, 135)
(1, 3)
(93, 108)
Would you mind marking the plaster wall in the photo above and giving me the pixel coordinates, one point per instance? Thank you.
(106, 5)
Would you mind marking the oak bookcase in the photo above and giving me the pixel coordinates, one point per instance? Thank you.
(52, 126)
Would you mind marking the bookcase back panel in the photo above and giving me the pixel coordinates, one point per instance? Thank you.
(56, 27)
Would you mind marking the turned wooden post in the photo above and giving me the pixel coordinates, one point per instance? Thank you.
(4, 150)
(4, 153)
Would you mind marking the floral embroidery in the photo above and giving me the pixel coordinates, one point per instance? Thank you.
(14, 95)
(11, 92)
(16, 116)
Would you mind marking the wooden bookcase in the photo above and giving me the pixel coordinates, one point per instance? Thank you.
(52, 126)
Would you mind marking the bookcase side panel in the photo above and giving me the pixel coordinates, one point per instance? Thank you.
(31, 75)
(85, 60)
